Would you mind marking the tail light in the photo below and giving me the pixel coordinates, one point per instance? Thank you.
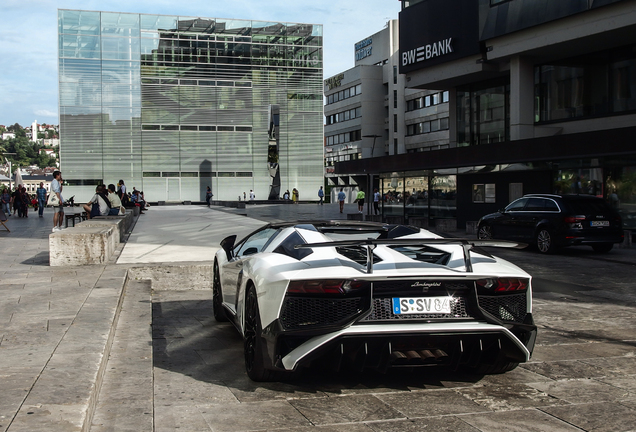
(327, 287)
(504, 285)
(573, 219)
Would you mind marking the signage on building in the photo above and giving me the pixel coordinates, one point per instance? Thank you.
(428, 51)
(334, 81)
(364, 48)
(434, 32)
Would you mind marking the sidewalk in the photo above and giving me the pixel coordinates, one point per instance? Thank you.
(57, 324)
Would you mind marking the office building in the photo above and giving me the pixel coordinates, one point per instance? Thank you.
(542, 98)
(371, 113)
(174, 104)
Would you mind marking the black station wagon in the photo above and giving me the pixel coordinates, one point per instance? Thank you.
(553, 221)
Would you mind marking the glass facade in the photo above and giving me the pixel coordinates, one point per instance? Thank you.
(173, 104)
(483, 113)
(593, 85)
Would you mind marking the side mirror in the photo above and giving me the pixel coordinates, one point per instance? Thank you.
(228, 244)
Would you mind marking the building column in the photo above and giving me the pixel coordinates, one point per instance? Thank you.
(521, 98)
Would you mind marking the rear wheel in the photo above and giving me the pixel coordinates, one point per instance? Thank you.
(545, 241)
(217, 295)
(252, 343)
(602, 247)
(484, 232)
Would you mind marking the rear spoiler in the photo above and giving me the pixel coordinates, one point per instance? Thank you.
(371, 244)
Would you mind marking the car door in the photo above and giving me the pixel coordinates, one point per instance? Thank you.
(506, 224)
(243, 251)
(527, 219)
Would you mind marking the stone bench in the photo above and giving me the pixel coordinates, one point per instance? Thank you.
(122, 223)
(83, 245)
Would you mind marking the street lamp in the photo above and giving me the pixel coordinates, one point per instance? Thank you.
(8, 163)
(369, 196)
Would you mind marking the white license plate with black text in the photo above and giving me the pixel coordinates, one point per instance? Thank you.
(421, 305)
(599, 223)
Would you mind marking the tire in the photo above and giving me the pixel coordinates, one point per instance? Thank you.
(602, 247)
(484, 232)
(253, 349)
(544, 241)
(217, 296)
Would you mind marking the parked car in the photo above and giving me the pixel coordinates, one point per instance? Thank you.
(553, 221)
(368, 295)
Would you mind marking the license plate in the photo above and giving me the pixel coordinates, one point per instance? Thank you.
(599, 223)
(421, 305)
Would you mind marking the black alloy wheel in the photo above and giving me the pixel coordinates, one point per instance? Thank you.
(545, 241)
(217, 296)
(252, 343)
(484, 232)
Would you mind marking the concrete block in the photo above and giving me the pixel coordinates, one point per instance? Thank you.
(471, 227)
(446, 225)
(124, 223)
(420, 222)
(82, 245)
(373, 218)
(355, 216)
(394, 219)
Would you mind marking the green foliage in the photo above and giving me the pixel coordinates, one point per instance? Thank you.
(26, 152)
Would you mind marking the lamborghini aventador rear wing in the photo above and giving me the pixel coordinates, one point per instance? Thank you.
(371, 244)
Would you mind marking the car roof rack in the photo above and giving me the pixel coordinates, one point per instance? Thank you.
(371, 244)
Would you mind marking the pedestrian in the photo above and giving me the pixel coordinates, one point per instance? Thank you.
(208, 195)
(15, 199)
(115, 202)
(99, 204)
(58, 210)
(360, 200)
(41, 193)
(5, 200)
(244, 197)
(295, 195)
(341, 199)
(286, 195)
(252, 195)
(376, 201)
(321, 195)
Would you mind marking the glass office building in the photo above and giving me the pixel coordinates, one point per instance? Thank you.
(173, 104)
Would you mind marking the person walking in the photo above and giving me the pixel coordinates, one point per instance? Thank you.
(41, 193)
(321, 195)
(208, 195)
(58, 210)
(360, 200)
(6, 201)
(295, 195)
(252, 195)
(376, 201)
(341, 199)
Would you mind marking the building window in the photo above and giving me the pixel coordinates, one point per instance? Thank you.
(589, 86)
(483, 114)
(395, 99)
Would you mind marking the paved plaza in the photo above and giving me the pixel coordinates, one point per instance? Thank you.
(103, 348)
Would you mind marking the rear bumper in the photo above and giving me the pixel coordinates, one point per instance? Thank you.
(380, 346)
(584, 238)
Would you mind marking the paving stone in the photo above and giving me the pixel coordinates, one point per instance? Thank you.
(430, 403)
(615, 366)
(438, 424)
(509, 397)
(582, 391)
(597, 417)
(185, 418)
(518, 421)
(566, 369)
(345, 409)
(252, 416)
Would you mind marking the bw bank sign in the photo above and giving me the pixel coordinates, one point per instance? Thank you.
(427, 52)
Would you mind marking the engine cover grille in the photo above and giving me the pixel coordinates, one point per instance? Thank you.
(505, 307)
(307, 313)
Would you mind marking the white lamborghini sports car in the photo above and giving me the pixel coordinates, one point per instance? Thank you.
(362, 295)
